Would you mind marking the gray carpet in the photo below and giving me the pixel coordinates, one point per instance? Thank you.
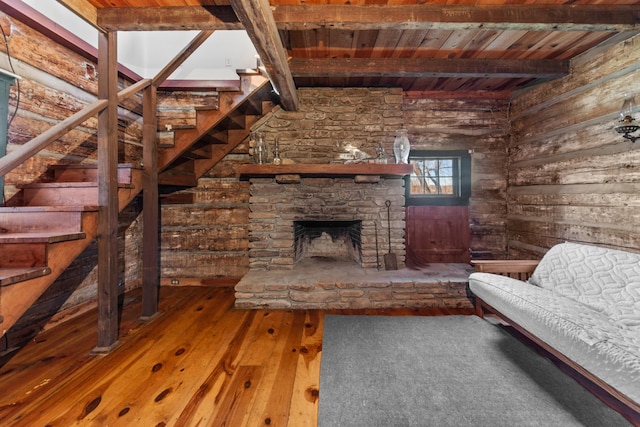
(444, 371)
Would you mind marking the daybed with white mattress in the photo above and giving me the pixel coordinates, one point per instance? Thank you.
(582, 304)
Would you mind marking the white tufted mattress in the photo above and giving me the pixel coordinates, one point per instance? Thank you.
(582, 334)
(584, 301)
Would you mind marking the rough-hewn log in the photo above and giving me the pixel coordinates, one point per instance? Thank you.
(168, 18)
(258, 21)
(458, 17)
(427, 67)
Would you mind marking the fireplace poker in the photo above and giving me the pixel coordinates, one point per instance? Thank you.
(375, 227)
(390, 260)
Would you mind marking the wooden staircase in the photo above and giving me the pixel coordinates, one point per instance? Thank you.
(187, 154)
(50, 224)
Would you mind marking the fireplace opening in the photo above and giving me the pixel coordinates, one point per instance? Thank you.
(328, 239)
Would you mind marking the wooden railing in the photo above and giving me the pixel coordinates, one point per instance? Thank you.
(19, 156)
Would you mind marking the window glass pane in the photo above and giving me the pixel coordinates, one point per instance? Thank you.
(439, 178)
(446, 186)
(433, 176)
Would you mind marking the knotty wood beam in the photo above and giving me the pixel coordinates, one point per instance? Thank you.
(107, 194)
(168, 18)
(150, 208)
(528, 17)
(258, 21)
(417, 67)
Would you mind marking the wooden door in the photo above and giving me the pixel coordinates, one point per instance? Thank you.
(437, 234)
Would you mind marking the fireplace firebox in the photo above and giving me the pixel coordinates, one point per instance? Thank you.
(328, 239)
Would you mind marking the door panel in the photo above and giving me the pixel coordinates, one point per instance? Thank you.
(437, 234)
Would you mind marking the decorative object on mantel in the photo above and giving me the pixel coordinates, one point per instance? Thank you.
(401, 146)
(260, 148)
(276, 151)
(626, 124)
(381, 155)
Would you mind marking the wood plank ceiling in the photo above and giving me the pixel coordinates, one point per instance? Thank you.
(494, 46)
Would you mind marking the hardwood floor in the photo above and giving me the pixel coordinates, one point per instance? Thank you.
(200, 362)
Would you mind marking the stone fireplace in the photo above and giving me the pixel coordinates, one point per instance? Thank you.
(312, 242)
(299, 211)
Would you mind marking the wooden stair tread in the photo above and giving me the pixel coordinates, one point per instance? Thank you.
(90, 166)
(72, 184)
(60, 208)
(10, 276)
(40, 237)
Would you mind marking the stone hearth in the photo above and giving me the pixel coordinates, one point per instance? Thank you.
(322, 283)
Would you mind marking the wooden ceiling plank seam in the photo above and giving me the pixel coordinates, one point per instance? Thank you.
(386, 42)
(410, 42)
(478, 44)
(341, 44)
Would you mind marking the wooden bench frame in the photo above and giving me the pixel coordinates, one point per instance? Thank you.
(522, 269)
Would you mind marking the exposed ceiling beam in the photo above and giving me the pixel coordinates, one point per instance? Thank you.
(374, 17)
(258, 21)
(531, 17)
(168, 18)
(417, 67)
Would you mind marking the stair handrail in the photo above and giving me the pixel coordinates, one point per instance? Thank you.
(29, 149)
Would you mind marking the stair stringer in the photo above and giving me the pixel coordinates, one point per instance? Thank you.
(17, 298)
(229, 101)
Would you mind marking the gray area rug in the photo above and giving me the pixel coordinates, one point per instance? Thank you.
(444, 371)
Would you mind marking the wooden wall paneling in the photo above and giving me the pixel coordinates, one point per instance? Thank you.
(571, 176)
(437, 121)
(587, 69)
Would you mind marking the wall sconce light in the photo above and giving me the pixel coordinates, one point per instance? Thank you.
(627, 125)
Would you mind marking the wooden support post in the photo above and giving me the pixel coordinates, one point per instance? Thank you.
(150, 244)
(108, 194)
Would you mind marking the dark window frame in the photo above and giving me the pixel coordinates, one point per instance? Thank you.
(462, 180)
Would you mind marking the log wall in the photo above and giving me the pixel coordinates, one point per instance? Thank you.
(438, 121)
(571, 176)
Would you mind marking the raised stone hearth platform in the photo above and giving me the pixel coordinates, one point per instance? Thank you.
(327, 283)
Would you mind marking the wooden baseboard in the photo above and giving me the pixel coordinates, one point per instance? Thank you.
(195, 281)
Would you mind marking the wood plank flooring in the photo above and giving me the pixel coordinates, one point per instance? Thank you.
(201, 362)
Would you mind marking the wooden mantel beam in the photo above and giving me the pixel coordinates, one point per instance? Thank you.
(422, 67)
(530, 17)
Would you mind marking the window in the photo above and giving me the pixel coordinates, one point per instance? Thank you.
(439, 178)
